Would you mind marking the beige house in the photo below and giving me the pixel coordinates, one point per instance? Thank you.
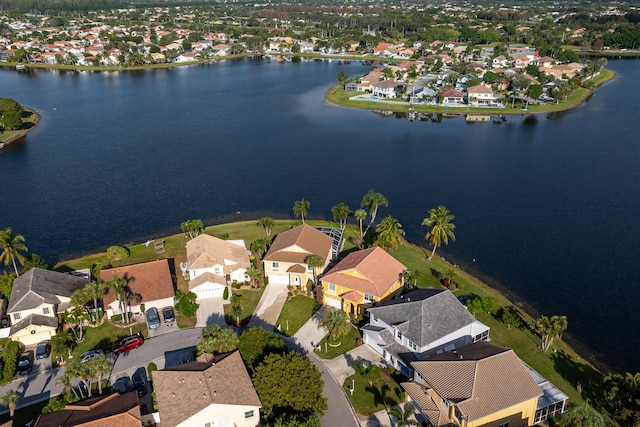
(212, 263)
(480, 96)
(285, 261)
(36, 299)
(208, 392)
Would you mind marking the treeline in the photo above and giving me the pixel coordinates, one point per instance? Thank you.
(10, 113)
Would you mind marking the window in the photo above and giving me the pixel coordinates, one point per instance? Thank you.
(368, 297)
(217, 270)
(16, 316)
(332, 288)
(275, 266)
(375, 318)
(45, 310)
(413, 346)
(504, 425)
(249, 414)
(484, 336)
(309, 269)
(399, 335)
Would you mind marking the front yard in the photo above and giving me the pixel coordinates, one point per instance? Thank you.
(295, 313)
(384, 393)
(330, 349)
(249, 301)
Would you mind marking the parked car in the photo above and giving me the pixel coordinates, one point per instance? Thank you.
(153, 318)
(128, 343)
(139, 384)
(43, 350)
(25, 362)
(88, 355)
(169, 316)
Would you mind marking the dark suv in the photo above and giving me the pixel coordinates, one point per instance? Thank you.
(25, 362)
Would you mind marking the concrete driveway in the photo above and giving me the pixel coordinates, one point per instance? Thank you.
(210, 312)
(342, 366)
(269, 307)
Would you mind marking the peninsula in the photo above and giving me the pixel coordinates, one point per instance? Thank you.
(16, 121)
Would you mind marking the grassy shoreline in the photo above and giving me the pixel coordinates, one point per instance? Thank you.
(31, 122)
(336, 95)
(563, 366)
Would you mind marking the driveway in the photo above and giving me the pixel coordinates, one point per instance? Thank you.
(311, 333)
(210, 312)
(342, 366)
(269, 307)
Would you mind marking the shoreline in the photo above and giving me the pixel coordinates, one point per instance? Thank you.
(24, 132)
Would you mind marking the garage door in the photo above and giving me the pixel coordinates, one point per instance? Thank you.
(209, 292)
(331, 302)
(278, 279)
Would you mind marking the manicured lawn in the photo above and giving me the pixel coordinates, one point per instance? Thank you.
(366, 399)
(347, 342)
(250, 299)
(104, 336)
(295, 313)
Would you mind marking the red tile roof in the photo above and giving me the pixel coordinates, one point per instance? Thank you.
(151, 280)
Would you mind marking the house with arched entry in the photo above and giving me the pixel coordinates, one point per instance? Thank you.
(362, 279)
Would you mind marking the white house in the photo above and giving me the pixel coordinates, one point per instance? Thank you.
(212, 263)
(418, 324)
(386, 89)
(480, 96)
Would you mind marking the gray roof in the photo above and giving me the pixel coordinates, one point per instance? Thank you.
(424, 315)
(38, 286)
(34, 319)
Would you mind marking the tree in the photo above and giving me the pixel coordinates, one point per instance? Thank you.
(440, 227)
(94, 291)
(192, 228)
(579, 416)
(340, 213)
(6, 283)
(403, 417)
(256, 343)
(12, 246)
(186, 304)
(61, 345)
(267, 223)
(412, 278)
(10, 358)
(372, 200)
(34, 261)
(10, 399)
(124, 295)
(74, 318)
(390, 234)
(337, 323)
(217, 339)
(387, 73)
(236, 307)
(550, 328)
(117, 253)
(65, 381)
(11, 113)
(341, 77)
(315, 262)
(370, 373)
(255, 276)
(300, 208)
(360, 215)
(100, 366)
(289, 384)
(259, 246)
(82, 372)
(534, 91)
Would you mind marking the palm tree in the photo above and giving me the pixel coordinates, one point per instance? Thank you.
(101, 366)
(582, 417)
(267, 223)
(192, 228)
(372, 201)
(12, 246)
(95, 291)
(315, 262)
(236, 307)
(255, 276)
(390, 234)
(337, 323)
(74, 318)
(65, 381)
(340, 213)
(360, 215)
(10, 399)
(259, 246)
(550, 328)
(217, 339)
(60, 345)
(403, 416)
(300, 208)
(559, 324)
(440, 227)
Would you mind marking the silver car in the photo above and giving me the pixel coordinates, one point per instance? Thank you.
(153, 318)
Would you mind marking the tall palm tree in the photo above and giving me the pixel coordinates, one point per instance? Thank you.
(581, 417)
(259, 246)
(315, 262)
(440, 227)
(218, 339)
(95, 290)
(390, 234)
(10, 399)
(372, 200)
(236, 307)
(192, 228)
(267, 223)
(340, 213)
(360, 215)
(101, 366)
(300, 208)
(65, 381)
(403, 416)
(255, 276)
(124, 295)
(60, 344)
(12, 246)
(337, 323)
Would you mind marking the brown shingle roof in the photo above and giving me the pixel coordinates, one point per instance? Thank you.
(428, 402)
(115, 410)
(298, 243)
(151, 280)
(372, 271)
(187, 389)
(206, 251)
(481, 378)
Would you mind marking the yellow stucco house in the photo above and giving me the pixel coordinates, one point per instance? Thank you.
(476, 385)
(362, 279)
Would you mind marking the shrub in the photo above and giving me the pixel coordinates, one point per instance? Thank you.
(142, 308)
(10, 356)
(225, 294)
(151, 368)
(236, 285)
(116, 318)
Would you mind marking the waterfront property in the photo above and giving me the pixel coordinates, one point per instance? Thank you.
(36, 299)
(361, 279)
(419, 324)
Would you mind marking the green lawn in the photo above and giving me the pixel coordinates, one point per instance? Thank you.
(347, 342)
(385, 393)
(295, 313)
(250, 299)
(104, 336)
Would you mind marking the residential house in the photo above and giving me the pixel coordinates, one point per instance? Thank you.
(547, 62)
(476, 385)
(285, 261)
(520, 62)
(386, 89)
(210, 391)
(212, 263)
(151, 282)
(480, 96)
(499, 62)
(452, 96)
(367, 82)
(36, 299)
(122, 410)
(419, 324)
(188, 57)
(361, 279)
(221, 50)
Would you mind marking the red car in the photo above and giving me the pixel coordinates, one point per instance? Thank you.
(128, 343)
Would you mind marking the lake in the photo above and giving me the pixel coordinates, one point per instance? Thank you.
(546, 207)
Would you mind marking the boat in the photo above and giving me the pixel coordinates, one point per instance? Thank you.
(20, 67)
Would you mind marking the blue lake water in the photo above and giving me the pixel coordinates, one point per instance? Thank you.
(546, 208)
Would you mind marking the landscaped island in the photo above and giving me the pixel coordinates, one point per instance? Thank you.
(16, 121)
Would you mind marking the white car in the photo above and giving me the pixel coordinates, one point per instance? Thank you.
(88, 355)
